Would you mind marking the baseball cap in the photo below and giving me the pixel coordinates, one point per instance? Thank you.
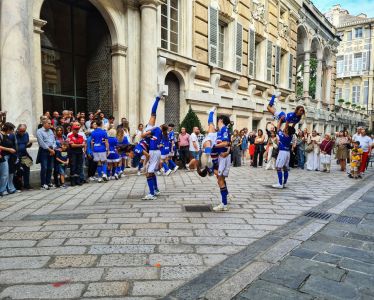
(76, 127)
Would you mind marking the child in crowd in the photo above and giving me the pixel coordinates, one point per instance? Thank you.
(356, 155)
(113, 157)
(62, 159)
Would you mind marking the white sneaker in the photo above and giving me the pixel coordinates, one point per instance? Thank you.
(44, 187)
(188, 167)
(105, 178)
(167, 173)
(230, 198)
(175, 169)
(100, 180)
(157, 192)
(277, 93)
(213, 109)
(116, 176)
(158, 173)
(139, 173)
(284, 185)
(221, 207)
(92, 178)
(161, 93)
(277, 186)
(149, 197)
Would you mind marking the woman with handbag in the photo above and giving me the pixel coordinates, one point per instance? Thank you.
(300, 142)
(259, 149)
(22, 143)
(326, 148)
(313, 150)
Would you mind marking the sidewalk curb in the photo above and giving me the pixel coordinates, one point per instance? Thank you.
(227, 279)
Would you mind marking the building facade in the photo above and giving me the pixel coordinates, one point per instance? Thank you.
(355, 63)
(83, 55)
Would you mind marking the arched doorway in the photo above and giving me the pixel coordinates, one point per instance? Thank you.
(172, 101)
(76, 58)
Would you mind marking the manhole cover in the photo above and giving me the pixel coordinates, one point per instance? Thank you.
(318, 215)
(198, 208)
(348, 220)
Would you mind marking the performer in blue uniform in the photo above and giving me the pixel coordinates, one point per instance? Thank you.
(113, 157)
(154, 134)
(292, 118)
(165, 151)
(172, 166)
(283, 159)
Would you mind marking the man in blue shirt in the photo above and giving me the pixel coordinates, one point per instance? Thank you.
(283, 159)
(222, 148)
(100, 150)
(154, 134)
(172, 165)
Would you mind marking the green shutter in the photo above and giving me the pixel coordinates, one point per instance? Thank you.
(213, 36)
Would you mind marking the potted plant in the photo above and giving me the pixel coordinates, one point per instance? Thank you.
(358, 107)
(341, 101)
(353, 105)
(348, 103)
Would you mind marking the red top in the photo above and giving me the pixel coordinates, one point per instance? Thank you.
(75, 139)
(326, 146)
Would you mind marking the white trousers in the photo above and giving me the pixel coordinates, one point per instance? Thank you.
(312, 161)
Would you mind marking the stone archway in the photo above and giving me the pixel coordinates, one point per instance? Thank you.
(172, 101)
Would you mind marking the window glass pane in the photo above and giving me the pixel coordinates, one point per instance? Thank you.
(173, 14)
(164, 9)
(164, 21)
(80, 31)
(174, 3)
(174, 26)
(81, 76)
(173, 47)
(164, 34)
(349, 36)
(173, 38)
(57, 31)
(164, 44)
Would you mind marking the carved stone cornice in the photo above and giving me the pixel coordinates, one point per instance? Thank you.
(119, 50)
(149, 3)
(38, 24)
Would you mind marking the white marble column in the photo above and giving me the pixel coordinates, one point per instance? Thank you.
(148, 56)
(319, 83)
(16, 63)
(119, 86)
(38, 80)
(306, 76)
(328, 99)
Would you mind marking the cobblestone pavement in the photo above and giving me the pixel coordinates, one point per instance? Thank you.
(101, 240)
(335, 263)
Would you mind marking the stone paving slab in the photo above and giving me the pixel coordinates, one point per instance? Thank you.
(102, 240)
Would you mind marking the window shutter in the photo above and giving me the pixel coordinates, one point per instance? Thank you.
(364, 60)
(290, 69)
(238, 47)
(269, 62)
(213, 36)
(277, 64)
(251, 52)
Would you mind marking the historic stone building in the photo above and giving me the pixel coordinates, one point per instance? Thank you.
(355, 63)
(115, 55)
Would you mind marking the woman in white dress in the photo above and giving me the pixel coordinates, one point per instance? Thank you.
(313, 157)
(272, 146)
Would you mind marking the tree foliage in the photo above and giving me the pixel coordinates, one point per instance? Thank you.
(312, 78)
(190, 121)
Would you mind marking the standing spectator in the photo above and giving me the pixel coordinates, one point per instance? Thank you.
(55, 119)
(252, 147)
(272, 151)
(111, 122)
(313, 157)
(77, 149)
(82, 124)
(89, 121)
(60, 139)
(244, 145)
(236, 142)
(62, 161)
(357, 134)
(342, 152)
(47, 144)
(366, 145)
(300, 150)
(194, 143)
(293, 152)
(138, 133)
(124, 124)
(22, 143)
(259, 149)
(326, 147)
(8, 159)
(200, 138)
(105, 121)
(183, 146)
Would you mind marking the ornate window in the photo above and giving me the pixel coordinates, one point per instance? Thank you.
(170, 25)
(221, 43)
(356, 91)
(358, 33)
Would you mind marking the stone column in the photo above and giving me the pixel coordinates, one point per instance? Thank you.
(38, 80)
(120, 100)
(319, 83)
(328, 86)
(306, 76)
(16, 63)
(148, 56)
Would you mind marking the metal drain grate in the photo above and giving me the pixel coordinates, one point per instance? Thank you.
(198, 208)
(348, 220)
(318, 215)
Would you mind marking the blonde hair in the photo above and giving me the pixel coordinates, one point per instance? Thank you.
(120, 134)
(112, 132)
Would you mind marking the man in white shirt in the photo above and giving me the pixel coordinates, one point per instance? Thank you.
(194, 143)
(357, 134)
(365, 144)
